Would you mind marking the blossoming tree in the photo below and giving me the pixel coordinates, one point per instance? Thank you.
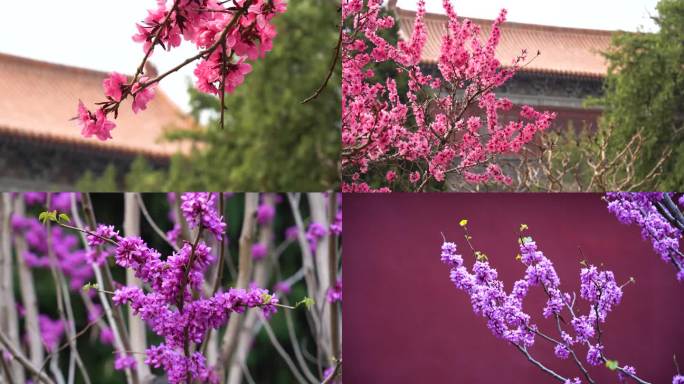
(445, 124)
(204, 326)
(227, 35)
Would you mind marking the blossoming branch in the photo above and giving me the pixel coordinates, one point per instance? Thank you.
(227, 34)
(508, 320)
(660, 219)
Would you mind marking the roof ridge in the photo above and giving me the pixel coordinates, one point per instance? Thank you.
(7, 56)
(432, 15)
(90, 71)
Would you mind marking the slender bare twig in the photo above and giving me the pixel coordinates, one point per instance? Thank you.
(28, 294)
(6, 369)
(335, 374)
(64, 307)
(544, 368)
(230, 338)
(23, 360)
(222, 251)
(331, 70)
(8, 314)
(153, 224)
(137, 333)
(104, 277)
(332, 273)
(281, 351)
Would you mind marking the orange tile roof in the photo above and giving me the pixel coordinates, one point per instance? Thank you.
(38, 99)
(566, 51)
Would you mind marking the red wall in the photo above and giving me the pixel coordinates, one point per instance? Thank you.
(406, 323)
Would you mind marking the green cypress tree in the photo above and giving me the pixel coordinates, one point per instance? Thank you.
(645, 91)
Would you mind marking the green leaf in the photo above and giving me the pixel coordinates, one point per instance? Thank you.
(89, 286)
(42, 217)
(63, 217)
(307, 301)
(266, 298)
(612, 364)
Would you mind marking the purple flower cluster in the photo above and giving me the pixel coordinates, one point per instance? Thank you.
(336, 226)
(314, 233)
(51, 332)
(600, 289)
(123, 362)
(504, 312)
(72, 261)
(334, 294)
(199, 209)
(170, 309)
(641, 209)
(265, 213)
(291, 233)
(259, 251)
(102, 232)
(58, 201)
(165, 277)
(177, 366)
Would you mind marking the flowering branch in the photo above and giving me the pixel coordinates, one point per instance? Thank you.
(507, 319)
(661, 222)
(242, 30)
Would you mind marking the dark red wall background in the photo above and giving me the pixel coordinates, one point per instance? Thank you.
(406, 323)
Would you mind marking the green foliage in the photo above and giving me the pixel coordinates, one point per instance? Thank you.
(306, 302)
(270, 141)
(53, 216)
(645, 90)
(106, 182)
(143, 177)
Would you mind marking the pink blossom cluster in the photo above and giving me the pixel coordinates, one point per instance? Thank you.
(443, 124)
(227, 35)
(507, 319)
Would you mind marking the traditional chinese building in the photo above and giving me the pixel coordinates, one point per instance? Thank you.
(569, 69)
(42, 148)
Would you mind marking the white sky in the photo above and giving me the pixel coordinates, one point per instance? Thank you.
(97, 34)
